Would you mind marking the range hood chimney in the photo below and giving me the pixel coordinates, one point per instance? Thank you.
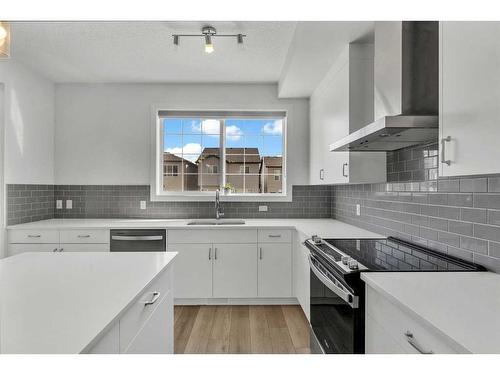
(406, 89)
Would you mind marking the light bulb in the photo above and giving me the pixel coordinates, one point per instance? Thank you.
(209, 47)
(3, 32)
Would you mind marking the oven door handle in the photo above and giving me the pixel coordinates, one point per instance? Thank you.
(348, 297)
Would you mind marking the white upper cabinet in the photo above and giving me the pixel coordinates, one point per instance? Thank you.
(469, 98)
(341, 104)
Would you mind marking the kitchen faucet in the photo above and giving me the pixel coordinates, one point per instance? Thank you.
(218, 212)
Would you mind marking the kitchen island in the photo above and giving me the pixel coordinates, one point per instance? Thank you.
(69, 303)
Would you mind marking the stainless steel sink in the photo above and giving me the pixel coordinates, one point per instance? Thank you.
(216, 222)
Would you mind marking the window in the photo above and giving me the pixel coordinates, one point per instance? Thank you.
(171, 170)
(236, 152)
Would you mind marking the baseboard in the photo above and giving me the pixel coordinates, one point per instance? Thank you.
(236, 301)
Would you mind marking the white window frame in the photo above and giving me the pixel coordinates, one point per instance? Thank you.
(156, 185)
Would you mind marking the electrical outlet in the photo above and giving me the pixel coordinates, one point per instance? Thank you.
(69, 204)
(143, 205)
(358, 210)
(262, 208)
(59, 204)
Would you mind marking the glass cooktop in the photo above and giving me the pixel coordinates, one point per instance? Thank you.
(395, 255)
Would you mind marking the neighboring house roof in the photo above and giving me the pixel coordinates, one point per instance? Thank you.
(249, 155)
(169, 157)
(272, 161)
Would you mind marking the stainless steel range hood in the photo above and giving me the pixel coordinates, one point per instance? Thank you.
(406, 89)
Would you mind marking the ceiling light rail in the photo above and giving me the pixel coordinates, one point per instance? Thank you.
(208, 33)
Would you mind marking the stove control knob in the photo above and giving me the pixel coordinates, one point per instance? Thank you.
(345, 259)
(353, 265)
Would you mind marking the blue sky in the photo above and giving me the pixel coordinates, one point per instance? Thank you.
(188, 137)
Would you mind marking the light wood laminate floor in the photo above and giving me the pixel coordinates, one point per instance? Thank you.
(241, 329)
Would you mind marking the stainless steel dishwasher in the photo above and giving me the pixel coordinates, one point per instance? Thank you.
(138, 240)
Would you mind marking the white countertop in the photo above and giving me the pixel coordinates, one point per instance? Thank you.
(61, 302)
(327, 228)
(463, 306)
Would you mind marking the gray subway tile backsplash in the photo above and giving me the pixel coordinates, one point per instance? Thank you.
(459, 216)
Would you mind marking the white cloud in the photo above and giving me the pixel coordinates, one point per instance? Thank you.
(233, 133)
(273, 128)
(193, 149)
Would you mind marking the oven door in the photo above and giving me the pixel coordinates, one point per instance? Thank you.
(336, 319)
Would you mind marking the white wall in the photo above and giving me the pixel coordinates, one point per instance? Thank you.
(103, 130)
(29, 125)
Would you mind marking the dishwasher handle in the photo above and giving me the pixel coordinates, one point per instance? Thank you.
(137, 238)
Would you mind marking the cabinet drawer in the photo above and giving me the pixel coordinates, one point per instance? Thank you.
(212, 236)
(84, 247)
(397, 323)
(137, 315)
(19, 248)
(275, 235)
(34, 236)
(84, 236)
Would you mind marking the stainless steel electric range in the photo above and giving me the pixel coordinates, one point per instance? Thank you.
(337, 297)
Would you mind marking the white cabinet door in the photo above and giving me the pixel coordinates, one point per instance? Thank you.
(469, 97)
(275, 270)
(301, 274)
(193, 270)
(18, 248)
(156, 336)
(234, 271)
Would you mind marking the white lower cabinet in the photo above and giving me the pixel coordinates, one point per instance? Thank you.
(275, 270)
(57, 240)
(235, 271)
(389, 329)
(301, 274)
(147, 326)
(193, 266)
(156, 336)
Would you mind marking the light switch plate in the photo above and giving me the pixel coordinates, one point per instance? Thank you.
(143, 205)
(69, 204)
(262, 208)
(358, 210)
(59, 204)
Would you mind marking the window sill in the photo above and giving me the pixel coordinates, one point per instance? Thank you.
(210, 197)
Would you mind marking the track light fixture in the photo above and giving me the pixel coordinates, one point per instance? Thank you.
(209, 33)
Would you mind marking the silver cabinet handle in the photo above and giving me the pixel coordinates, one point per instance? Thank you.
(274, 236)
(209, 253)
(34, 235)
(411, 340)
(83, 235)
(215, 255)
(343, 170)
(156, 295)
(322, 174)
(61, 249)
(260, 253)
(443, 143)
(55, 250)
(137, 238)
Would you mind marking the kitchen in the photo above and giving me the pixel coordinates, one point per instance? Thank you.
(230, 187)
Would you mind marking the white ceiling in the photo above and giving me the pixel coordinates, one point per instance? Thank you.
(297, 55)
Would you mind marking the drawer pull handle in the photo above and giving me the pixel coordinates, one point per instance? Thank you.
(61, 249)
(411, 340)
(34, 235)
(55, 250)
(215, 253)
(275, 236)
(260, 253)
(156, 295)
(209, 253)
(443, 144)
(83, 235)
